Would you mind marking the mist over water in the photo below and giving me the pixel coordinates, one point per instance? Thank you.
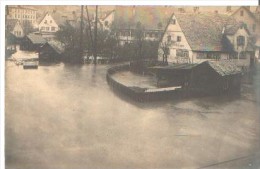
(67, 117)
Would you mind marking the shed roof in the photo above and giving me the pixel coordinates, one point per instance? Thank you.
(204, 31)
(224, 68)
(177, 66)
(36, 39)
(57, 46)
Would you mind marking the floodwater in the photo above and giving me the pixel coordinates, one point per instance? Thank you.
(67, 117)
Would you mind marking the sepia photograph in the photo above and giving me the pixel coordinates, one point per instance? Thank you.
(132, 87)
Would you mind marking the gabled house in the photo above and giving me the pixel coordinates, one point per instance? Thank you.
(48, 25)
(106, 19)
(195, 38)
(251, 19)
(152, 20)
(15, 27)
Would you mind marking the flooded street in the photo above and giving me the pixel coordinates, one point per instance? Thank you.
(67, 117)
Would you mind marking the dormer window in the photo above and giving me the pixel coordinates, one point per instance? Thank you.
(240, 41)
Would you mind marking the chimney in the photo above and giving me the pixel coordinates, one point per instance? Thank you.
(54, 11)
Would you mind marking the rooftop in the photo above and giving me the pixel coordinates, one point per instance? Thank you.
(127, 17)
(224, 68)
(57, 46)
(204, 31)
(36, 39)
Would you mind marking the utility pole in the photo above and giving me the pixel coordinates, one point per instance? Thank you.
(81, 34)
(95, 37)
(90, 31)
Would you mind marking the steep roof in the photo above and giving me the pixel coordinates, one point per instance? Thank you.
(232, 29)
(224, 68)
(59, 18)
(36, 39)
(10, 23)
(105, 14)
(204, 31)
(247, 10)
(150, 17)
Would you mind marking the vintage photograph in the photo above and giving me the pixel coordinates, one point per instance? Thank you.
(132, 87)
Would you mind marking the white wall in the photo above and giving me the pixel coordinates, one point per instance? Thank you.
(47, 23)
(18, 30)
(246, 18)
(174, 30)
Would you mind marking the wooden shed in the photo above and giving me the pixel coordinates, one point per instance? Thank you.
(51, 51)
(32, 42)
(207, 78)
(215, 78)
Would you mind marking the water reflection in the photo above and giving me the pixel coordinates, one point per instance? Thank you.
(66, 116)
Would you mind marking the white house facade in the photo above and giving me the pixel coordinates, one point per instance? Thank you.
(195, 38)
(48, 26)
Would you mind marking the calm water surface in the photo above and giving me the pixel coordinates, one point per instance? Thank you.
(67, 117)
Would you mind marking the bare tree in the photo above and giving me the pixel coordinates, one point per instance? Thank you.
(164, 46)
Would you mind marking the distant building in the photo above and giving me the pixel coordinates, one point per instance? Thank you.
(251, 19)
(32, 42)
(23, 14)
(195, 38)
(152, 20)
(49, 24)
(15, 27)
(106, 19)
(51, 51)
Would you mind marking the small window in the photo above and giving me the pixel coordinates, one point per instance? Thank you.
(178, 38)
(182, 53)
(43, 28)
(50, 21)
(213, 55)
(173, 21)
(240, 41)
(47, 28)
(45, 21)
(241, 13)
(169, 38)
(106, 23)
(53, 28)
